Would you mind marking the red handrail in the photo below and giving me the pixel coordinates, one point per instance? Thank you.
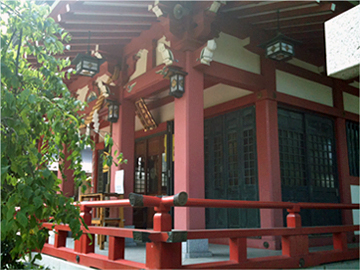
(164, 247)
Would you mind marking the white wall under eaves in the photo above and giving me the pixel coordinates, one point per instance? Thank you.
(303, 88)
(230, 51)
(351, 103)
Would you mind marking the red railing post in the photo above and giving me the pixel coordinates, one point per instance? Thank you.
(238, 249)
(116, 248)
(160, 255)
(340, 241)
(294, 245)
(60, 238)
(85, 244)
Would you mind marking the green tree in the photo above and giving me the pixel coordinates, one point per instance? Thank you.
(36, 107)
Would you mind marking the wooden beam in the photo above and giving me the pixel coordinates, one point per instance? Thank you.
(229, 106)
(304, 73)
(145, 85)
(232, 76)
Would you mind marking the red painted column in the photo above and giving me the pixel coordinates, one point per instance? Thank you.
(189, 148)
(123, 134)
(95, 166)
(267, 140)
(342, 154)
(67, 183)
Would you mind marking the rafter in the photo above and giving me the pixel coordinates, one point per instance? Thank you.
(266, 6)
(310, 20)
(102, 19)
(305, 10)
(105, 28)
(80, 8)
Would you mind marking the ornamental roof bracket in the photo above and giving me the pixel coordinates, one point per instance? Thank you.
(207, 54)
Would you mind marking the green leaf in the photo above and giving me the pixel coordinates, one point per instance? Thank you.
(38, 202)
(22, 219)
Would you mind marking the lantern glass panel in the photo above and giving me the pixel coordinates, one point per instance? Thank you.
(174, 83)
(90, 65)
(286, 47)
(181, 82)
(273, 48)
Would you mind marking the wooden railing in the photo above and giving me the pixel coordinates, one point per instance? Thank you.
(163, 244)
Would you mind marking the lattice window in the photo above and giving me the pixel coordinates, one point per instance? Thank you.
(292, 158)
(249, 157)
(352, 134)
(218, 159)
(321, 161)
(233, 169)
(139, 176)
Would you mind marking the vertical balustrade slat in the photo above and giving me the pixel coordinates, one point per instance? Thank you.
(116, 248)
(60, 239)
(340, 241)
(238, 249)
(294, 245)
(160, 255)
(85, 244)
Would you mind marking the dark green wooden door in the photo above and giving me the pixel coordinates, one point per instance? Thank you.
(230, 167)
(308, 164)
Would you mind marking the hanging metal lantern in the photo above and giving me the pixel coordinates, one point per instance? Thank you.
(113, 111)
(281, 47)
(86, 65)
(177, 81)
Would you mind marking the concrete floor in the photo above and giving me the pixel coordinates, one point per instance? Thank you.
(220, 253)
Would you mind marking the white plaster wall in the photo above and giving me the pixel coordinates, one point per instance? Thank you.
(355, 193)
(230, 51)
(342, 42)
(303, 88)
(221, 93)
(140, 65)
(351, 103)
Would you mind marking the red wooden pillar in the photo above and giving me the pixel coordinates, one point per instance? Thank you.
(189, 148)
(123, 134)
(67, 183)
(267, 140)
(342, 154)
(95, 166)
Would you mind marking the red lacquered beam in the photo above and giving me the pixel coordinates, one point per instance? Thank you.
(234, 233)
(328, 205)
(237, 204)
(272, 205)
